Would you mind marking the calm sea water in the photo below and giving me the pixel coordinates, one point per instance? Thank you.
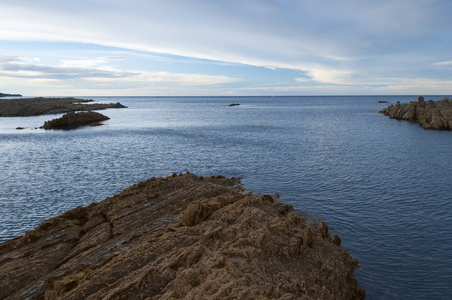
(383, 185)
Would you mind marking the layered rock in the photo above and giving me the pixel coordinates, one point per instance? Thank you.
(42, 106)
(430, 115)
(180, 237)
(73, 120)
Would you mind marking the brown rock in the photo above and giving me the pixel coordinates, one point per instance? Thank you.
(430, 115)
(323, 229)
(73, 120)
(178, 237)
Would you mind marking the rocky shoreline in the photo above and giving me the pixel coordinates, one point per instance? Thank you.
(435, 115)
(179, 237)
(43, 106)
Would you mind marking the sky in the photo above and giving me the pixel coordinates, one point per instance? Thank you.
(225, 47)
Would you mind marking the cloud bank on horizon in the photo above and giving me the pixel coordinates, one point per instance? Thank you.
(250, 47)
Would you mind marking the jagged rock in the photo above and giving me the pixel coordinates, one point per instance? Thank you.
(430, 115)
(323, 229)
(41, 106)
(308, 236)
(72, 120)
(179, 237)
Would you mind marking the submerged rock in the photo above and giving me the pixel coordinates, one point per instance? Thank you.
(180, 237)
(73, 120)
(234, 104)
(430, 115)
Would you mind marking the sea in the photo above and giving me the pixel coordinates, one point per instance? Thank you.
(383, 185)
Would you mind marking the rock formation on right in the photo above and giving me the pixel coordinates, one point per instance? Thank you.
(429, 114)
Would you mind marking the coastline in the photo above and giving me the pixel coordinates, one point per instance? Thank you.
(43, 106)
(181, 236)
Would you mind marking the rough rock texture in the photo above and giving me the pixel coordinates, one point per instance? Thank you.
(180, 237)
(72, 120)
(42, 106)
(430, 115)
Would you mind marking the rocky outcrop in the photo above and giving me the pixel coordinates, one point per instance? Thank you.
(42, 106)
(73, 120)
(234, 104)
(180, 237)
(430, 115)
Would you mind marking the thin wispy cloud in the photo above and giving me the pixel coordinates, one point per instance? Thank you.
(232, 43)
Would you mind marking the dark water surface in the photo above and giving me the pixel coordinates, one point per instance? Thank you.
(383, 185)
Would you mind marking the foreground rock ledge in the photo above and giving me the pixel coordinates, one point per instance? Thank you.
(180, 237)
(430, 115)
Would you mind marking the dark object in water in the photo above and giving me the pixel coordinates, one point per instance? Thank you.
(73, 120)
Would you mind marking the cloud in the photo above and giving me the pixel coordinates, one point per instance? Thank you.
(11, 58)
(269, 31)
(23, 70)
(112, 58)
(444, 63)
(186, 79)
(101, 76)
(347, 42)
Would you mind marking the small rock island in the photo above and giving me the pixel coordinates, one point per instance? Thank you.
(73, 120)
(179, 237)
(429, 114)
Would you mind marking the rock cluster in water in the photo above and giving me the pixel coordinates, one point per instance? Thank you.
(429, 114)
(72, 119)
(42, 106)
(179, 237)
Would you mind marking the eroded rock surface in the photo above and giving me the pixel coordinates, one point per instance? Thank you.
(180, 237)
(72, 120)
(430, 115)
(42, 106)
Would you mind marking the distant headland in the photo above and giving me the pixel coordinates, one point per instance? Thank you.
(43, 106)
(10, 95)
